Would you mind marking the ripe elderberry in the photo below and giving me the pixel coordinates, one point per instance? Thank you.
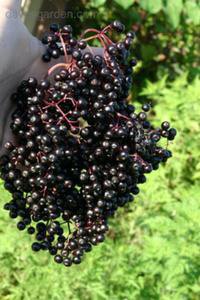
(82, 149)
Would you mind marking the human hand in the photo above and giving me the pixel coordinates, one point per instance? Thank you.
(20, 54)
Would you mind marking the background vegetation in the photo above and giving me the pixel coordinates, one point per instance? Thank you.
(152, 251)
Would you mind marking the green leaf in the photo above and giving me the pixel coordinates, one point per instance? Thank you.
(97, 3)
(124, 3)
(152, 6)
(173, 11)
(148, 52)
(192, 10)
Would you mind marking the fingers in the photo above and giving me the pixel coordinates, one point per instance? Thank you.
(11, 4)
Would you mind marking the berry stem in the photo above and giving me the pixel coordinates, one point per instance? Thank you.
(123, 117)
(109, 41)
(90, 30)
(64, 48)
(106, 29)
(60, 65)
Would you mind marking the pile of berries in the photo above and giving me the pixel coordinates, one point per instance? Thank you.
(82, 149)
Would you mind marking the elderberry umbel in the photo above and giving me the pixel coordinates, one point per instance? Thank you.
(82, 149)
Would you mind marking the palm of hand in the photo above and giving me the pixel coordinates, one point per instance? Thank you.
(20, 54)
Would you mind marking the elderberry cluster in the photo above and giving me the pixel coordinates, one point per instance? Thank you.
(82, 149)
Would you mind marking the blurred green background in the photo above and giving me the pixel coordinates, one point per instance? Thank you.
(152, 249)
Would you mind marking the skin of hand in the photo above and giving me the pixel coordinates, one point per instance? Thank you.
(20, 54)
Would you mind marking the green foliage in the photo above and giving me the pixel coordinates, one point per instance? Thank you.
(152, 251)
(173, 11)
(152, 7)
(192, 10)
(179, 101)
(167, 33)
(125, 4)
(98, 3)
